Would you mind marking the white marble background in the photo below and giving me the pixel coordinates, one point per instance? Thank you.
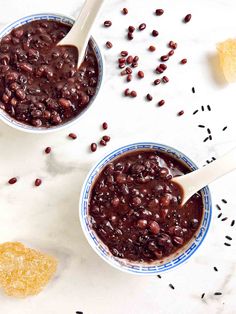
(47, 217)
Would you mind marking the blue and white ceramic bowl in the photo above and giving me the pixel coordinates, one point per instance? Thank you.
(69, 21)
(179, 257)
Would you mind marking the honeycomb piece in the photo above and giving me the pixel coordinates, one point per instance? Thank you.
(24, 271)
(227, 56)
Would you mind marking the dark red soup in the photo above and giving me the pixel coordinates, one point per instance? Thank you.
(135, 208)
(40, 84)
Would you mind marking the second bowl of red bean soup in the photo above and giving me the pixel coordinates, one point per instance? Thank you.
(131, 213)
(41, 89)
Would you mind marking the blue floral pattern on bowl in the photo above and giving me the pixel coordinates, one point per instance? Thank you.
(101, 249)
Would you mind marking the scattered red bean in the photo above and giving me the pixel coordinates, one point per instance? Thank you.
(48, 150)
(164, 58)
(157, 82)
(125, 11)
(129, 78)
(130, 36)
(133, 93)
(37, 182)
(121, 60)
(142, 26)
(161, 102)
(93, 147)
(109, 45)
(159, 70)
(107, 23)
(131, 29)
(105, 125)
(106, 138)
(122, 65)
(187, 18)
(172, 45)
(12, 180)
(165, 79)
(129, 60)
(140, 74)
(123, 72)
(183, 61)
(159, 12)
(73, 136)
(180, 113)
(163, 66)
(103, 143)
(128, 70)
(171, 52)
(134, 65)
(155, 33)
(124, 53)
(149, 97)
(136, 58)
(127, 92)
(152, 48)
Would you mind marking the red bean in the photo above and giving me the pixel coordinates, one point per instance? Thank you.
(140, 74)
(136, 58)
(128, 70)
(149, 97)
(159, 70)
(38, 182)
(157, 82)
(161, 102)
(129, 78)
(142, 223)
(152, 48)
(125, 11)
(109, 45)
(187, 18)
(130, 36)
(154, 227)
(134, 65)
(142, 26)
(129, 60)
(183, 61)
(73, 136)
(165, 58)
(155, 33)
(103, 143)
(121, 60)
(127, 92)
(105, 126)
(133, 93)
(121, 65)
(163, 66)
(124, 53)
(12, 180)
(93, 147)
(165, 79)
(171, 52)
(172, 45)
(180, 113)
(131, 29)
(159, 12)
(107, 23)
(48, 150)
(106, 138)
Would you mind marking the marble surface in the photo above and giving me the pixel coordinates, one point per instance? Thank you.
(47, 217)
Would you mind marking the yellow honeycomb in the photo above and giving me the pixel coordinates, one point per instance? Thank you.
(24, 271)
(227, 56)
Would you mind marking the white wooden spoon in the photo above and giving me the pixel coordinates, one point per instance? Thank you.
(196, 180)
(79, 34)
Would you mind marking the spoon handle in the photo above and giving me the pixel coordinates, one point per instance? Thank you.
(196, 180)
(78, 36)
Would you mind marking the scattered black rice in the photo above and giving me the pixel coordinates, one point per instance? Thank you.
(203, 295)
(224, 128)
(219, 215)
(218, 207)
(206, 139)
(209, 107)
(228, 237)
(202, 108)
(232, 223)
(218, 293)
(171, 286)
(225, 218)
(227, 244)
(215, 268)
(208, 162)
(159, 276)
(213, 158)
(78, 312)
(210, 137)
(201, 126)
(193, 90)
(195, 111)
(224, 201)
(208, 131)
